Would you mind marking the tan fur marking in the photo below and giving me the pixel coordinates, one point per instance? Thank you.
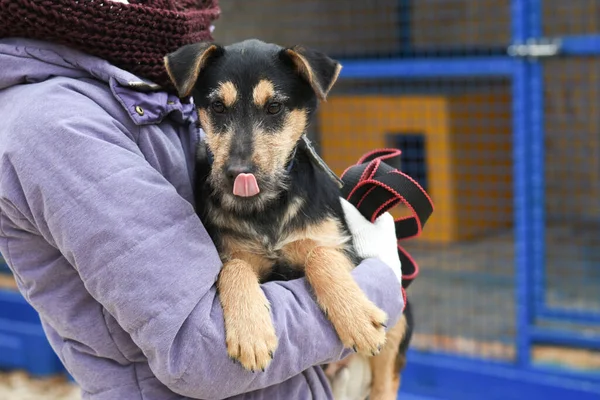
(292, 211)
(305, 69)
(250, 335)
(168, 68)
(228, 93)
(248, 250)
(272, 151)
(297, 252)
(358, 322)
(387, 365)
(205, 120)
(218, 144)
(326, 234)
(336, 74)
(262, 92)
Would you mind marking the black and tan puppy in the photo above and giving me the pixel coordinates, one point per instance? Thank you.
(273, 211)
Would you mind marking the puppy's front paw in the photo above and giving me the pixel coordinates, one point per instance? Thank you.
(250, 334)
(360, 325)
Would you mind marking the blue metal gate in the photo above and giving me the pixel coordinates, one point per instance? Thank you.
(556, 252)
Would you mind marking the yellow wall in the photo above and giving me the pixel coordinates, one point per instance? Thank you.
(468, 152)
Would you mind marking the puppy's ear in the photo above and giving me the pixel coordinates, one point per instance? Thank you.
(184, 64)
(317, 68)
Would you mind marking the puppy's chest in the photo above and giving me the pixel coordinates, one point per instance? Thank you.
(267, 241)
(275, 240)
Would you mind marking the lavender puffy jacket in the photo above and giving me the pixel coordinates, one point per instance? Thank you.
(97, 224)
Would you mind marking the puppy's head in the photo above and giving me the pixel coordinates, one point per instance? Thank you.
(254, 102)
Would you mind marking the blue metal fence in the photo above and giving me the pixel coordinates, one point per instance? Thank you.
(456, 377)
(543, 268)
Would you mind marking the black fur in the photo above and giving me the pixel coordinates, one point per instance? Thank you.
(182, 63)
(306, 181)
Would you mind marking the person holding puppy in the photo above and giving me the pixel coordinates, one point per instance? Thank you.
(96, 215)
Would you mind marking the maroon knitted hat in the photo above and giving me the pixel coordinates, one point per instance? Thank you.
(134, 36)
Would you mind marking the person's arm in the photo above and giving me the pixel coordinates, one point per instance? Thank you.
(144, 255)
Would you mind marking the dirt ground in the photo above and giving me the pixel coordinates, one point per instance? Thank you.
(20, 386)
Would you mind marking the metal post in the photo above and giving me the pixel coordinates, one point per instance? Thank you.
(536, 110)
(522, 192)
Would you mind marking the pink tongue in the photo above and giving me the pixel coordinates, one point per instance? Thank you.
(245, 185)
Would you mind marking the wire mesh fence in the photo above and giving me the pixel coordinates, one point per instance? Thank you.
(568, 282)
(376, 29)
(572, 175)
(456, 141)
(455, 135)
(575, 17)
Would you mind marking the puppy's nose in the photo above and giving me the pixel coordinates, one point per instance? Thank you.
(233, 171)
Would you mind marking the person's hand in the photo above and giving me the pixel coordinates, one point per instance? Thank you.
(374, 240)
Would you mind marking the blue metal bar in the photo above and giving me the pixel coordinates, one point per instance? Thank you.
(566, 315)
(522, 215)
(519, 20)
(534, 18)
(564, 338)
(591, 375)
(584, 45)
(567, 371)
(537, 160)
(456, 377)
(427, 68)
(521, 174)
(410, 396)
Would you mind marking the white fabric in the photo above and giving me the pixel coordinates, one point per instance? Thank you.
(374, 240)
(352, 382)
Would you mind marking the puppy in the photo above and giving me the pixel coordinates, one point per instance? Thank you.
(270, 204)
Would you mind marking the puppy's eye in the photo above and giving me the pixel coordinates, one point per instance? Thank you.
(218, 107)
(274, 108)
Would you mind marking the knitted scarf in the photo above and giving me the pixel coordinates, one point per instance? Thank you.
(134, 35)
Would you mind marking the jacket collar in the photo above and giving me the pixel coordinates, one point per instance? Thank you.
(29, 61)
(147, 104)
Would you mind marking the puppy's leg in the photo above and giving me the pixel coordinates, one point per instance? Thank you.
(387, 365)
(250, 334)
(358, 322)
